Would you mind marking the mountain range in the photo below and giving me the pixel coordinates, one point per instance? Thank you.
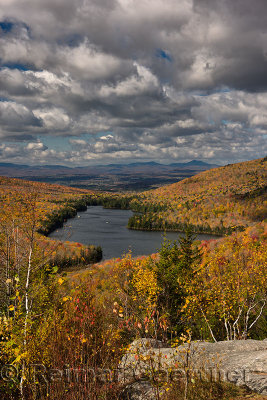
(111, 177)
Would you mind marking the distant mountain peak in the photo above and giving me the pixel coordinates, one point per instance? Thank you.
(193, 163)
(144, 163)
(197, 162)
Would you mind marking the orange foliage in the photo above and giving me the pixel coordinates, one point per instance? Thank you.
(225, 197)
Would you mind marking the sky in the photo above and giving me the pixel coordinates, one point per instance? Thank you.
(86, 82)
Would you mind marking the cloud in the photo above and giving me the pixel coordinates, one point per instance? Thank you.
(16, 119)
(141, 83)
(156, 79)
(37, 146)
(78, 142)
(53, 118)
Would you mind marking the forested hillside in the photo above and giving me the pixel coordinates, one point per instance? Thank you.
(219, 200)
(47, 207)
(75, 324)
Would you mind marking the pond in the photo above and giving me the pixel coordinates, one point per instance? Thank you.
(108, 228)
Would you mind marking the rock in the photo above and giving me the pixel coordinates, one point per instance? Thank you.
(243, 362)
(141, 390)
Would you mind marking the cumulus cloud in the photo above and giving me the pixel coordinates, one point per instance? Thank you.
(157, 79)
(16, 119)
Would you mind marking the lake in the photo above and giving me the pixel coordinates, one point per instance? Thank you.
(108, 228)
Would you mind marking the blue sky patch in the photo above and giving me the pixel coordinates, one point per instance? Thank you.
(5, 99)
(21, 67)
(206, 93)
(164, 55)
(56, 142)
(6, 26)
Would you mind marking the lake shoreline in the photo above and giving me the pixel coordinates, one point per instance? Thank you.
(66, 214)
(177, 230)
(108, 229)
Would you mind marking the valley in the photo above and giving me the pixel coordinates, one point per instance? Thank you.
(67, 303)
(113, 177)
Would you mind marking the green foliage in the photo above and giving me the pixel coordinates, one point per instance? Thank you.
(190, 253)
(204, 390)
(87, 319)
(167, 271)
(107, 200)
(173, 269)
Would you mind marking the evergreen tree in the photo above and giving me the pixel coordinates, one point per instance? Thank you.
(174, 267)
(189, 253)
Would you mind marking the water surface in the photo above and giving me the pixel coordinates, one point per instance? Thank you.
(108, 228)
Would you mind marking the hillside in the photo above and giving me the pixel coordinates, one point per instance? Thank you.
(218, 200)
(48, 206)
(48, 192)
(87, 319)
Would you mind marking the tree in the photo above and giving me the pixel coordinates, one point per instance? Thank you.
(22, 268)
(173, 269)
(228, 291)
(189, 253)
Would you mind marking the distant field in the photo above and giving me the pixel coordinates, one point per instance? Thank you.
(115, 177)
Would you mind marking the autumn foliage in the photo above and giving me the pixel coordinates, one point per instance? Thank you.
(81, 321)
(219, 201)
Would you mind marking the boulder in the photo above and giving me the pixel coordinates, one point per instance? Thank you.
(242, 362)
(140, 390)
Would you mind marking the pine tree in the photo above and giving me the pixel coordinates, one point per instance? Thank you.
(189, 253)
(173, 269)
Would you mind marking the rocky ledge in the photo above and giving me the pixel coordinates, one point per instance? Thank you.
(242, 362)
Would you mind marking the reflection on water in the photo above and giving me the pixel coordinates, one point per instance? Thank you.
(108, 228)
